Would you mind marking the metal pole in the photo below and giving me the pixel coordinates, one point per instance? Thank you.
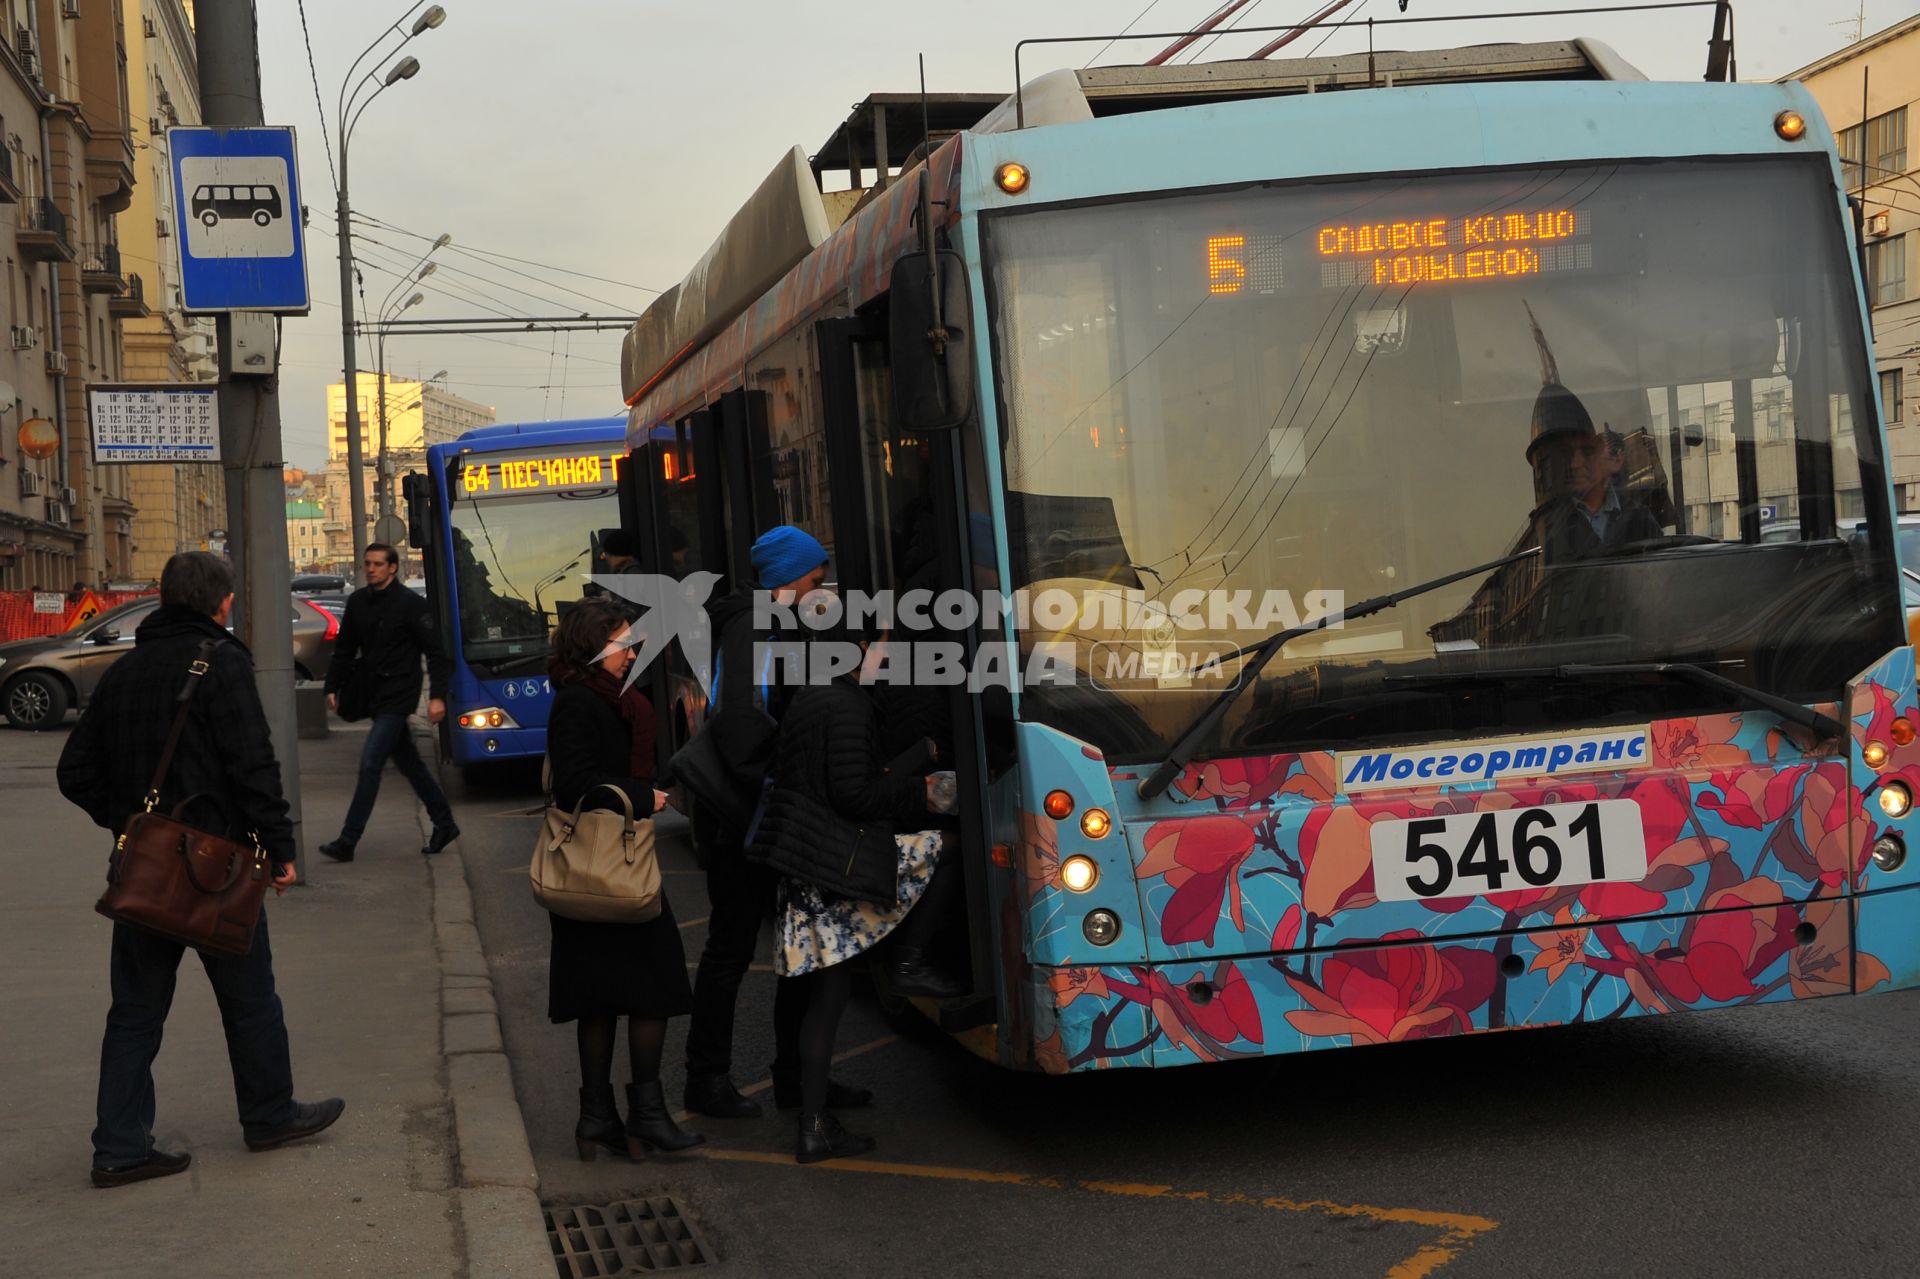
(227, 44)
(349, 374)
(381, 474)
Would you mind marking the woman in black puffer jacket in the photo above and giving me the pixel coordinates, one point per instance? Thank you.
(600, 734)
(845, 836)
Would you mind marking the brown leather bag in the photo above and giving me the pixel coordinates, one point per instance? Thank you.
(201, 890)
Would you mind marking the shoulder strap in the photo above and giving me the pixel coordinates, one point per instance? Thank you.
(195, 669)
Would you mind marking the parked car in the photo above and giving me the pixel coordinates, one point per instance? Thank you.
(317, 584)
(42, 678)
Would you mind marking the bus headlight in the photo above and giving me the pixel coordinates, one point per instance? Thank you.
(1079, 873)
(1102, 927)
(484, 718)
(1889, 852)
(1895, 799)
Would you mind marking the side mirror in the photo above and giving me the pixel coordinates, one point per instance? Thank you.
(107, 636)
(931, 353)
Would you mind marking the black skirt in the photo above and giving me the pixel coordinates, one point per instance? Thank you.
(603, 970)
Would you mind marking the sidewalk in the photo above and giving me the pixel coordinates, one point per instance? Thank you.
(360, 957)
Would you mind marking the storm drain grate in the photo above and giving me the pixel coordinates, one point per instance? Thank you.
(631, 1237)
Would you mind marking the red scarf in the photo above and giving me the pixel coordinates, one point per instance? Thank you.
(635, 709)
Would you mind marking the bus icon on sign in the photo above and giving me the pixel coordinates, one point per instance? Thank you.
(260, 205)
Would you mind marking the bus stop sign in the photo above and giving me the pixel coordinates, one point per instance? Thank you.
(236, 209)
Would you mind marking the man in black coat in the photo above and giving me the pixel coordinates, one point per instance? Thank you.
(225, 755)
(384, 633)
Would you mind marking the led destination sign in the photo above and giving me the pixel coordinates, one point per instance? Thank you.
(533, 474)
(1484, 246)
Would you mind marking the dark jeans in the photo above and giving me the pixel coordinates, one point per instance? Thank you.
(390, 737)
(740, 900)
(143, 972)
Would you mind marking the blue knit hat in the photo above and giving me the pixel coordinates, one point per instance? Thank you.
(786, 554)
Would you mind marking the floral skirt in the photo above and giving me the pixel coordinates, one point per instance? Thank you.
(818, 932)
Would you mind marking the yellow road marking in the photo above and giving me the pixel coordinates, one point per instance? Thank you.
(695, 923)
(1458, 1230)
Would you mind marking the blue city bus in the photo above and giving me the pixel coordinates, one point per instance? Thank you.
(1561, 379)
(507, 520)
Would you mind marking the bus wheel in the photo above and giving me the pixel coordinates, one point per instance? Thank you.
(261, 217)
(209, 219)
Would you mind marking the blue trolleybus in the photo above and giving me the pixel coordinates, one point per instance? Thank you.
(1559, 378)
(508, 520)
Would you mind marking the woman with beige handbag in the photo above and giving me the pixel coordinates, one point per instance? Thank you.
(595, 859)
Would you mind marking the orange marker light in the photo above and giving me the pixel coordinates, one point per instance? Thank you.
(1012, 177)
(1058, 805)
(1094, 823)
(1790, 125)
(1875, 754)
(1003, 856)
(1901, 731)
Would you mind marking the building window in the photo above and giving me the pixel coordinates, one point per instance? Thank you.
(1887, 270)
(1890, 395)
(1886, 149)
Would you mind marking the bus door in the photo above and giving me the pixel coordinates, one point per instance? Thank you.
(664, 505)
(899, 520)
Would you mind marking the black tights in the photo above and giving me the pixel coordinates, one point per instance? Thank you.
(646, 1037)
(917, 930)
(827, 991)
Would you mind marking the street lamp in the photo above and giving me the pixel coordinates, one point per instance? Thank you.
(420, 270)
(385, 478)
(404, 69)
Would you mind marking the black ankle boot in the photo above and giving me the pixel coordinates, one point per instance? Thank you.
(786, 1091)
(822, 1137)
(716, 1096)
(599, 1124)
(649, 1124)
(909, 973)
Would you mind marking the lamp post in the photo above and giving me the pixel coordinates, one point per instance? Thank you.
(384, 477)
(404, 69)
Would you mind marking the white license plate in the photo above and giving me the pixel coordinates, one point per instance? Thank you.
(1470, 854)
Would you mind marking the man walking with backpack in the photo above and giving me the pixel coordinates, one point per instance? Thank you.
(375, 674)
(225, 758)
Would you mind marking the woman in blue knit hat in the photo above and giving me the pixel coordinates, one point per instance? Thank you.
(789, 563)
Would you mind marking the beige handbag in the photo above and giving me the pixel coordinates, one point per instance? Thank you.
(597, 866)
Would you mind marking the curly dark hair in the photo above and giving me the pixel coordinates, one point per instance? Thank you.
(583, 631)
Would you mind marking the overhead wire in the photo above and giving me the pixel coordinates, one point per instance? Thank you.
(1123, 31)
(326, 139)
(552, 284)
(491, 253)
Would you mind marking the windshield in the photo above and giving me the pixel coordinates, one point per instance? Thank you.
(1244, 407)
(517, 559)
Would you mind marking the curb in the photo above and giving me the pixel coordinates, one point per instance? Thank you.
(498, 1189)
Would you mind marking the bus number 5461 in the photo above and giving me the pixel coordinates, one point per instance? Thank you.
(1470, 854)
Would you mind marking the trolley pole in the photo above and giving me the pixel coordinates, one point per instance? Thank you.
(226, 40)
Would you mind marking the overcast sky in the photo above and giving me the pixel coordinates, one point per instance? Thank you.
(612, 138)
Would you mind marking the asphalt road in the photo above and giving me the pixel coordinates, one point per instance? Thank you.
(1772, 1140)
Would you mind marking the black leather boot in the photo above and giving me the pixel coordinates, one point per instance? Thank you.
(716, 1096)
(786, 1091)
(822, 1137)
(599, 1125)
(649, 1124)
(909, 973)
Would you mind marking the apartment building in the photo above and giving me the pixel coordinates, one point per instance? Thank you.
(1867, 91)
(176, 506)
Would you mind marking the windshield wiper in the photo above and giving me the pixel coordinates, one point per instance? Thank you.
(1787, 709)
(1265, 651)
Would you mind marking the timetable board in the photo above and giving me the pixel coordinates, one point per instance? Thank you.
(154, 422)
